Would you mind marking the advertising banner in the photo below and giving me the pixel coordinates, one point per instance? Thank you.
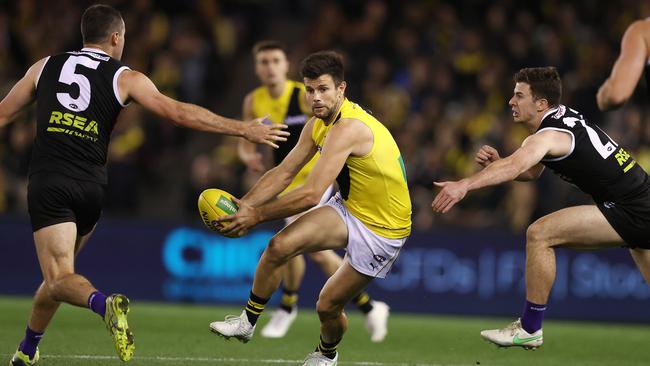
(445, 272)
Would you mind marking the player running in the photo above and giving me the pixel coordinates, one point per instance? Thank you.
(283, 101)
(79, 95)
(370, 217)
(583, 155)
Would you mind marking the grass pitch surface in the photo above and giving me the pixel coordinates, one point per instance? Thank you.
(179, 335)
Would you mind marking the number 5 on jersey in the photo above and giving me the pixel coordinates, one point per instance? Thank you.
(69, 76)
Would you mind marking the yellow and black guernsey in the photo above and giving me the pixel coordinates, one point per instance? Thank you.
(285, 109)
(373, 186)
(77, 104)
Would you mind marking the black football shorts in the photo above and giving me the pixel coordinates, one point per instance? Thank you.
(630, 219)
(54, 198)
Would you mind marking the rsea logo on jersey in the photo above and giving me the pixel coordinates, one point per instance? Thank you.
(80, 125)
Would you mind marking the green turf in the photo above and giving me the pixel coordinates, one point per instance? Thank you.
(179, 335)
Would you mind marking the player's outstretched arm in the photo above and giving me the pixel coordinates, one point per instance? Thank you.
(487, 155)
(532, 151)
(627, 70)
(138, 87)
(246, 150)
(279, 178)
(21, 95)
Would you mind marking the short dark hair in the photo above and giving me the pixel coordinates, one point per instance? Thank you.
(321, 63)
(98, 22)
(545, 83)
(268, 45)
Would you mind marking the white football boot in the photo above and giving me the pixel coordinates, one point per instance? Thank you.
(317, 359)
(514, 336)
(234, 326)
(377, 321)
(279, 324)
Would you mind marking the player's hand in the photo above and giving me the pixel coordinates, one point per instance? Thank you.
(258, 132)
(245, 218)
(486, 156)
(451, 193)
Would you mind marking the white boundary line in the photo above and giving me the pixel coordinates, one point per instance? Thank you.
(229, 360)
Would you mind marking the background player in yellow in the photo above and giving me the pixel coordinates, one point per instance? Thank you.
(283, 101)
(634, 57)
(370, 216)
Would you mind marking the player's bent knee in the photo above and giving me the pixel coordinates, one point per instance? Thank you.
(279, 249)
(54, 286)
(536, 234)
(328, 309)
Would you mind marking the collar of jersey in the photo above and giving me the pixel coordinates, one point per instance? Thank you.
(550, 112)
(95, 50)
(338, 116)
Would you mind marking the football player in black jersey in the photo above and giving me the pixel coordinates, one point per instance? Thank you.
(78, 96)
(582, 154)
(634, 57)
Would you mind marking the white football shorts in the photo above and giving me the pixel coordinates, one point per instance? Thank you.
(367, 252)
(323, 200)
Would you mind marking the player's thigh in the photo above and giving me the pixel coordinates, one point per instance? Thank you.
(319, 229)
(327, 260)
(55, 245)
(342, 286)
(575, 227)
(81, 241)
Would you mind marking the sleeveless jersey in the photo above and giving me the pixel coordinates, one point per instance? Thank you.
(77, 104)
(373, 186)
(284, 109)
(596, 164)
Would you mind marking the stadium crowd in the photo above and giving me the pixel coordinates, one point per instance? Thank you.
(438, 73)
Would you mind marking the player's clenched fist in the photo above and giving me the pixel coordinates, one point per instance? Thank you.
(487, 155)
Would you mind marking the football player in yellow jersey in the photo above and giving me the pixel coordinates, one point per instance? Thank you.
(283, 101)
(370, 217)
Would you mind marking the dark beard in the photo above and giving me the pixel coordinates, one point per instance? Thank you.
(326, 117)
